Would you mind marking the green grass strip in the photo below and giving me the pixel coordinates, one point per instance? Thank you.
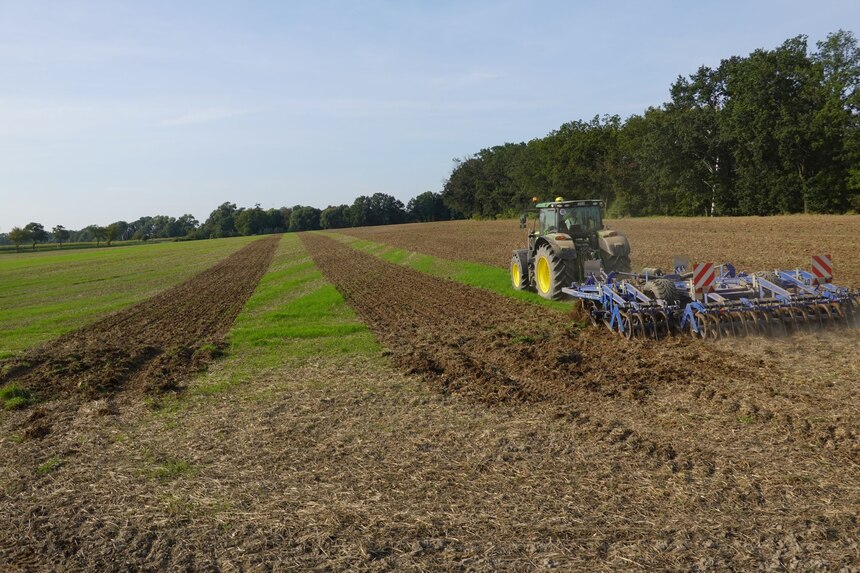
(489, 278)
(294, 317)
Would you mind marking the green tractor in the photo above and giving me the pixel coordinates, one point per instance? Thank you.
(568, 242)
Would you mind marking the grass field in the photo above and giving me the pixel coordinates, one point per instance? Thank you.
(44, 295)
(43, 247)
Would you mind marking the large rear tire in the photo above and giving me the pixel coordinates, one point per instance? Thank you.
(552, 273)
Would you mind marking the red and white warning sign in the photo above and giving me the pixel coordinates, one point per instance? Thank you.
(704, 277)
(822, 268)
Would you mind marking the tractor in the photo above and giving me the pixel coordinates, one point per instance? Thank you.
(571, 253)
(567, 242)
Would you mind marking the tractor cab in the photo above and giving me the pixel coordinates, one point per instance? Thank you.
(574, 218)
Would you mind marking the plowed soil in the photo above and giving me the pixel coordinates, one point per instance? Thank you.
(751, 455)
(750, 243)
(150, 347)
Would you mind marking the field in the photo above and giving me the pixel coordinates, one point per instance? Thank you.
(750, 243)
(378, 399)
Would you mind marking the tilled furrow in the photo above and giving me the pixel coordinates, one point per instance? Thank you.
(496, 349)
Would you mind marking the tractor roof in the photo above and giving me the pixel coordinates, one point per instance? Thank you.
(568, 204)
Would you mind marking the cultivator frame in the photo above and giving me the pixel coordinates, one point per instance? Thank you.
(714, 301)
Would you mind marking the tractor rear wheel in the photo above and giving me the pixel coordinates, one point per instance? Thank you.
(519, 275)
(663, 289)
(552, 273)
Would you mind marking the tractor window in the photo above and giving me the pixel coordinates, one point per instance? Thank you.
(579, 220)
(548, 221)
(591, 218)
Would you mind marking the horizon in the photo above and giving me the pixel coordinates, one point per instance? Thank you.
(114, 112)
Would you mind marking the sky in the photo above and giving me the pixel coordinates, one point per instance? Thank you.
(114, 110)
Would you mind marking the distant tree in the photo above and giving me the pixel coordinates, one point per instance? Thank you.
(99, 233)
(427, 206)
(186, 224)
(222, 221)
(304, 219)
(61, 235)
(37, 233)
(138, 229)
(160, 226)
(286, 213)
(18, 235)
(252, 221)
(377, 209)
(121, 230)
(360, 212)
(111, 233)
(335, 217)
(387, 210)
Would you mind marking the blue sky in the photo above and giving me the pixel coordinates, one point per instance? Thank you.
(113, 110)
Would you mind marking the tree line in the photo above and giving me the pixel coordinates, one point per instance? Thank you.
(777, 131)
(228, 220)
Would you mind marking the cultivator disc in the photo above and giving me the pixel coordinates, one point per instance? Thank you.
(714, 302)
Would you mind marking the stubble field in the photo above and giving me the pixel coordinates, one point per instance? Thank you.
(384, 403)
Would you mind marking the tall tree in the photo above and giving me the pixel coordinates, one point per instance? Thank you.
(839, 58)
(111, 233)
(99, 233)
(304, 219)
(427, 206)
(252, 221)
(335, 217)
(18, 235)
(222, 221)
(36, 233)
(701, 158)
(61, 235)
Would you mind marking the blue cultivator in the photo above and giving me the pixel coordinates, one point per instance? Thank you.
(715, 301)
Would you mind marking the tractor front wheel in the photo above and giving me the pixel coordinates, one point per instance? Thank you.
(519, 275)
(551, 273)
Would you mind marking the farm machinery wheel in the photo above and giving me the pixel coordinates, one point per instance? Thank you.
(662, 325)
(663, 289)
(519, 275)
(701, 324)
(625, 326)
(551, 273)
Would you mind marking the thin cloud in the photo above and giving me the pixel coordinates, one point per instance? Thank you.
(463, 80)
(203, 115)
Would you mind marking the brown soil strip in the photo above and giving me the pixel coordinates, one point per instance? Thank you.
(704, 412)
(152, 346)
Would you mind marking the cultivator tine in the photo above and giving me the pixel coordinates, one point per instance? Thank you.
(788, 319)
(591, 308)
(754, 322)
(717, 326)
(778, 323)
(639, 325)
